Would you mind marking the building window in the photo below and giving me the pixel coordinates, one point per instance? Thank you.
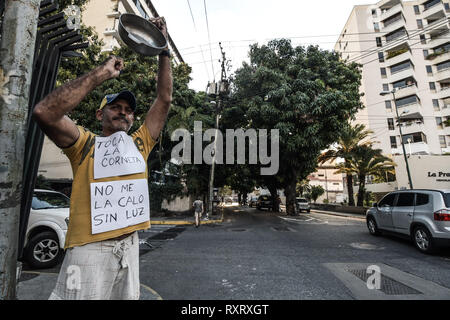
(374, 13)
(393, 143)
(436, 105)
(429, 70)
(379, 43)
(432, 86)
(391, 124)
(380, 56)
(425, 53)
(404, 83)
(446, 6)
(383, 72)
(416, 9)
(419, 24)
(442, 142)
(385, 87)
(376, 27)
(439, 123)
(392, 19)
(388, 105)
(423, 40)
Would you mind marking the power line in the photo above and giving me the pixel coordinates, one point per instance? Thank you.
(201, 50)
(209, 38)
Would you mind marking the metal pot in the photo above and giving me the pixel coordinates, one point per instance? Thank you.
(141, 35)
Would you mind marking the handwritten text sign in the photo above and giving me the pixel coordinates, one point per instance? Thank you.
(119, 204)
(117, 155)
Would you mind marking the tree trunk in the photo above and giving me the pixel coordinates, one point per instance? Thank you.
(19, 26)
(273, 194)
(351, 199)
(290, 196)
(361, 190)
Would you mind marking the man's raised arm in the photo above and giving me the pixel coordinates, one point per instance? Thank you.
(50, 113)
(157, 115)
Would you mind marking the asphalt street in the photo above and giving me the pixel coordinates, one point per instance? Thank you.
(259, 255)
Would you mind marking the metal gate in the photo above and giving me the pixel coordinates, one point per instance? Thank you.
(54, 39)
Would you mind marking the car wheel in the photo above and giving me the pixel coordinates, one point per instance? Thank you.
(309, 210)
(372, 226)
(43, 250)
(423, 240)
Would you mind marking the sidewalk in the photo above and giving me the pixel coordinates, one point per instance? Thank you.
(186, 219)
(38, 284)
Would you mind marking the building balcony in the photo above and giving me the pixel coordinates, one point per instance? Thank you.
(402, 74)
(445, 111)
(412, 127)
(413, 108)
(398, 58)
(445, 150)
(442, 75)
(387, 3)
(393, 26)
(433, 10)
(406, 91)
(436, 59)
(443, 93)
(391, 11)
(111, 32)
(439, 40)
(412, 148)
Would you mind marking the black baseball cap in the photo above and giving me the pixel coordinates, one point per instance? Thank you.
(126, 95)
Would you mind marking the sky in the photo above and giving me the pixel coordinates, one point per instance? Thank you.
(239, 23)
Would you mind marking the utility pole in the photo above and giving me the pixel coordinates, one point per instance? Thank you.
(17, 48)
(401, 136)
(220, 90)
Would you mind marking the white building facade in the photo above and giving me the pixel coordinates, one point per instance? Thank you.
(404, 50)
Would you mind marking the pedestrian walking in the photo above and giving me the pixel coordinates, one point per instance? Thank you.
(198, 210)
(109, 200)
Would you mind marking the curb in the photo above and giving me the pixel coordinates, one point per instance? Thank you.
(183, 222)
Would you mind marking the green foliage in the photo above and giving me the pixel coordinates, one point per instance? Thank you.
(306, 93)
(316, 192)
(42, 183)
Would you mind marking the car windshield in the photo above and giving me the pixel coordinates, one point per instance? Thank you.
(302, 200)
(447, 199)
(49, 200)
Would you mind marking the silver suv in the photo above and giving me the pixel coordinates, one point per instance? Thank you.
(423, 215)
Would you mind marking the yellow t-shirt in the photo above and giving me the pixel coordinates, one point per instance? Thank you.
(81, 156)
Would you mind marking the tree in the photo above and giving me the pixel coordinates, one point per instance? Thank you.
(349, 139)
(315, 192)
(308, 94)
(367, 161)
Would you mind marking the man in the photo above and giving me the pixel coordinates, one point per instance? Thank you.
(198, 210)
(109, 201)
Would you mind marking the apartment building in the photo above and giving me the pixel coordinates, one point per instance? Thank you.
(404, 50)
(330, 181)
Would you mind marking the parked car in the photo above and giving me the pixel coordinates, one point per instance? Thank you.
(264, 202)
(47, 228)
(228, 200)
(303, 205)
(422, 215)
(253, 201)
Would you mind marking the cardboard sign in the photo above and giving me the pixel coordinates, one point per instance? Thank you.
(117, 155)
(119, 204)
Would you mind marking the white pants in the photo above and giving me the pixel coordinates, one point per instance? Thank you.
(105, 270)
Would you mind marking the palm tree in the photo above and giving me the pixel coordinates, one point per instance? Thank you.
(349, 139)
(367, 161)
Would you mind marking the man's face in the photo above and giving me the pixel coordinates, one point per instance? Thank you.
(117, 116)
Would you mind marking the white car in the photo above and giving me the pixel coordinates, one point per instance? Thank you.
(47, 228)
(303, 205)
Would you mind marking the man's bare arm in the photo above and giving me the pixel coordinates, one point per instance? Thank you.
(51, 112)
(157, 115)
